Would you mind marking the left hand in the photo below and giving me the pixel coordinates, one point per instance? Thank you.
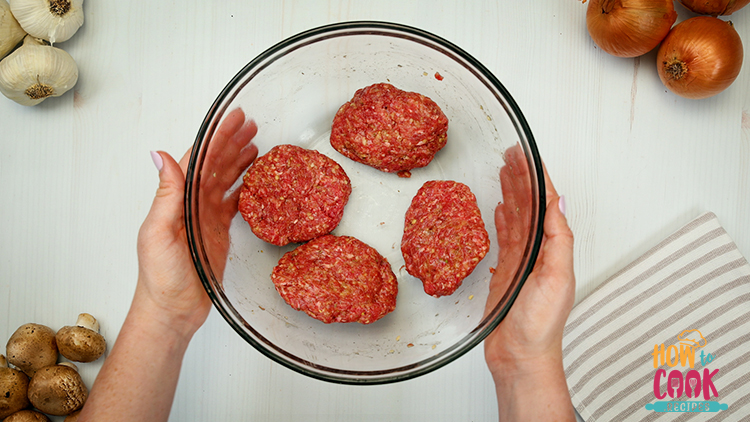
(524, 352)
(532, 331)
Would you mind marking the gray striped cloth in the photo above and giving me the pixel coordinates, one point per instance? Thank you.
(690, 293)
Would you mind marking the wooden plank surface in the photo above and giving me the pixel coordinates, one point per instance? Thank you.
(634, 161)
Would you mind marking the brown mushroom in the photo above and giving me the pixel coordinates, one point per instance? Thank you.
(27, 416)
(81, 342)
(31, 348)
(73, 417)
(13, 387)
(58, 389)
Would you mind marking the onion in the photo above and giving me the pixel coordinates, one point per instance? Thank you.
(629, 28)
(700, 57)
(714, 7)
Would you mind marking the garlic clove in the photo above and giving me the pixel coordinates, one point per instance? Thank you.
(51, 20)
(11, 32)
(36, 71)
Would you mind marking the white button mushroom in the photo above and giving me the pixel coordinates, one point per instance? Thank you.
(82, 342)
(13, 387)
(31, 348)
(58, 389)
(27, 416)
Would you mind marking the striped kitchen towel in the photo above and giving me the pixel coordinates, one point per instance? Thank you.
(667, 337)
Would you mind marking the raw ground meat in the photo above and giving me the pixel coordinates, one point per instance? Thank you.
(444, 236)
(337, 279)
(389, 129)
(292, 194)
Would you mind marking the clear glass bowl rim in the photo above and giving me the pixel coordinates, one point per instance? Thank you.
(192, 180)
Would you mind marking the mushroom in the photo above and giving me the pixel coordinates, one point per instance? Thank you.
(13, 387)
(31, 348)
(81, 342)
(58, 389)
(27, 416)
(73, 417)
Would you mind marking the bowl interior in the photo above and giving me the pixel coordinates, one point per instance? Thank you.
(292, 91)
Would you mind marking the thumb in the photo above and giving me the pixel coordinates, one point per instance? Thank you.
(555, 222)
(166, 209)
(558, 246)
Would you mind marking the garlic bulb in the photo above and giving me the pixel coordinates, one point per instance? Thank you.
(36, 71)
(51, 20)
(11, 32)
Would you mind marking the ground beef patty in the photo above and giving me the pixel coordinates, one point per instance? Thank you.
(389, 129)
(444, 236)
(292, 194)
(337, 279)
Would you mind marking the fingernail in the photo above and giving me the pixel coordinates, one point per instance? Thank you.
(158, 162)
(561, 204)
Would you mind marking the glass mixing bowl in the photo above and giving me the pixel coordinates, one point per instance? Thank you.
(292, 91)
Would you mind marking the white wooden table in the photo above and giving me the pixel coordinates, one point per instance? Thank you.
(634, 161)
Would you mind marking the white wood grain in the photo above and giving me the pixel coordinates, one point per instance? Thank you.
(634, 161)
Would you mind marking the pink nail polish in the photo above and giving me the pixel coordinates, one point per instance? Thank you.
(561, 204)
(158, 162)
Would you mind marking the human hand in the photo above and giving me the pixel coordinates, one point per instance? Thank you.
(167, 279)
(524, 353)
(534, 325)
(170, 303)
(226, 159)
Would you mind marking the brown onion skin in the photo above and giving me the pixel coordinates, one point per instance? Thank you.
(629, 28)
(714, 7)
(700, 57)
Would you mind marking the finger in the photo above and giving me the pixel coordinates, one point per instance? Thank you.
(230, 201)
(549, 187)
(515, 185)
(515, 160)
(555, 221)
(166, 209)
(185, 160)
(246, 157)
(517, 166)
(509, 225)
(516, 204)
(217, 151)
(231, 124)
(244, 135)
(558, 245)
(218, 186)
(240, 154)
(228, 154)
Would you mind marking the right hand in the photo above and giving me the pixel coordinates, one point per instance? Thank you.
(167, 279)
